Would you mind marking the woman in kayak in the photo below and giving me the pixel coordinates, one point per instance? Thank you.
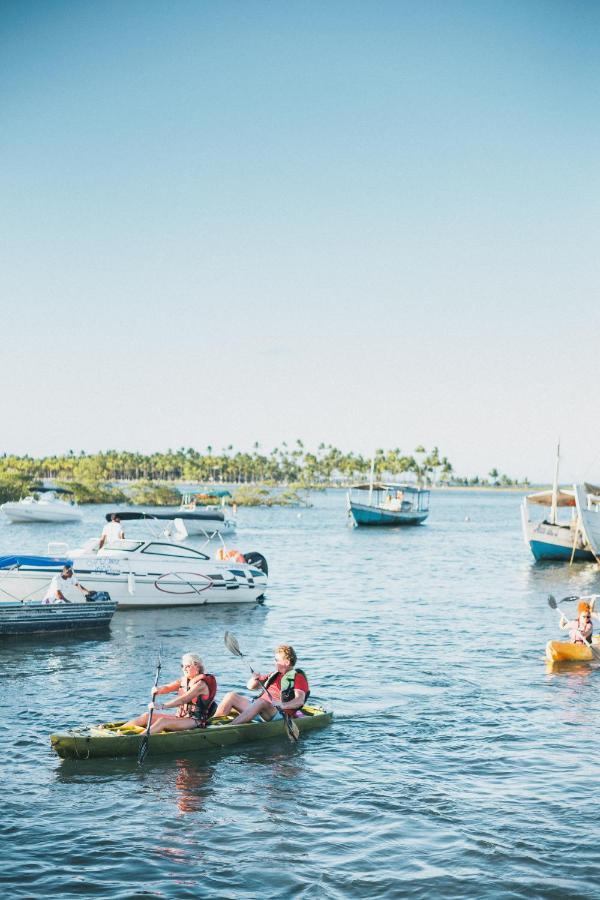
(287, 690)
(581, 628)
(194, 702)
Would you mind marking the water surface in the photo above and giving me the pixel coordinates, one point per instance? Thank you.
(456, 765)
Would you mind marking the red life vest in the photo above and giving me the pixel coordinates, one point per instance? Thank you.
(200, 708)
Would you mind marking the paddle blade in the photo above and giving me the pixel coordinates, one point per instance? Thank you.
(143, 749)
(552, 602)
(232, 644)
(293, 732)
(569, 599)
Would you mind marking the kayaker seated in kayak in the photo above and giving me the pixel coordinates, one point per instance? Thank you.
(581, 628)
(195, 704)
(287, 687)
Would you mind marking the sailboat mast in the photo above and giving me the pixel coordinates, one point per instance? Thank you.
(553, 512)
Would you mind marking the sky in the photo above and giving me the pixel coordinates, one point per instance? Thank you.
(366, 224)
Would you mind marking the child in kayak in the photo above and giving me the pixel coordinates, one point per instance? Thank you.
(287, 686)
(580, 628)
(194, 702)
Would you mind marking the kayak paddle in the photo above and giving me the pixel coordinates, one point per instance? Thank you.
(554, 605)
(146, 739)
(232, 645)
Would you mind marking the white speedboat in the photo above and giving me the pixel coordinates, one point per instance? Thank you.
(153, 573)
(43, 505)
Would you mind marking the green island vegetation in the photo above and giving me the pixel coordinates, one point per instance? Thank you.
(280, 477)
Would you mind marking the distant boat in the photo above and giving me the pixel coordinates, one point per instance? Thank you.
(49, 507)
(387, 503)
(549, 538)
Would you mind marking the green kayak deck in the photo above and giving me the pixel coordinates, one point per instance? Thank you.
(113, 740)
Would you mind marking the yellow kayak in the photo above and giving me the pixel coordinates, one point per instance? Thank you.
(565, 651)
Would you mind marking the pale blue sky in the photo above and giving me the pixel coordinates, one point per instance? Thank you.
(368, 223)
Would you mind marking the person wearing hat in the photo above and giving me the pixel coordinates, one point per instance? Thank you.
(60, 583)
(112, 531)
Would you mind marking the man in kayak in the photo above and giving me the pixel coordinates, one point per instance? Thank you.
(285, 690)
(195, 704)
(580, 628)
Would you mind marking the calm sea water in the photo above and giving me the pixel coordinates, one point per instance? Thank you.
(456, 765)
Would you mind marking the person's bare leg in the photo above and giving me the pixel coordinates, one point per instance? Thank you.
(172, 723)
(231, 701)
(141, 721)
(258, 707)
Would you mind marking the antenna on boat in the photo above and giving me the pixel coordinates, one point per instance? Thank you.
(553, 512)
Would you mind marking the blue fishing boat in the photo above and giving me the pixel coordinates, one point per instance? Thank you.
(387, 503)
(21, 613)
(552, 537)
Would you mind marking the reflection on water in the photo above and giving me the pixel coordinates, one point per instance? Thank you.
(192, 783)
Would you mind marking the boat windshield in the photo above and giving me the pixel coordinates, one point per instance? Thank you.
(121, 546)
(157, 549)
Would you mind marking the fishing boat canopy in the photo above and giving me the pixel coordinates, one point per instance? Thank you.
(545, 498)
(388, 486)
(48, 562)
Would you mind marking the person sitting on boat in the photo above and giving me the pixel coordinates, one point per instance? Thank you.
(287, 688)
(580, 628)
(65, 581)
(195, 701)
(112, 531)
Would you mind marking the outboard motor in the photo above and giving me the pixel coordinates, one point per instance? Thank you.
(257, 560)
(92, 596)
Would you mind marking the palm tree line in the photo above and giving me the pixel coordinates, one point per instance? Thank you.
(284, 464)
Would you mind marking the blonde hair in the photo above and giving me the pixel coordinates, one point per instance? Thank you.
(192, 659)
(288, 652)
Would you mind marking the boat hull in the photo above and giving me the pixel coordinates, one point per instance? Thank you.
(109, 741)
(219, 584)
(370, 515)
(564, 651)
(549, 542)
(37, 618)
(39, 512)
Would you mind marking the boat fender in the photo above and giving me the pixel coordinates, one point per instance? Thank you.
(131, 582)
(257, 559)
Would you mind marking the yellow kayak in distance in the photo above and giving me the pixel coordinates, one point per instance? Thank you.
(565, 651)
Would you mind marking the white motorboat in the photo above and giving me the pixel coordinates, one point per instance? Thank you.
(44, 505)
(142, 573)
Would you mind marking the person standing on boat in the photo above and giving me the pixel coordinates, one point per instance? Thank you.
(66, 581)
(112, 531)
(194, 703)
(287, 686)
